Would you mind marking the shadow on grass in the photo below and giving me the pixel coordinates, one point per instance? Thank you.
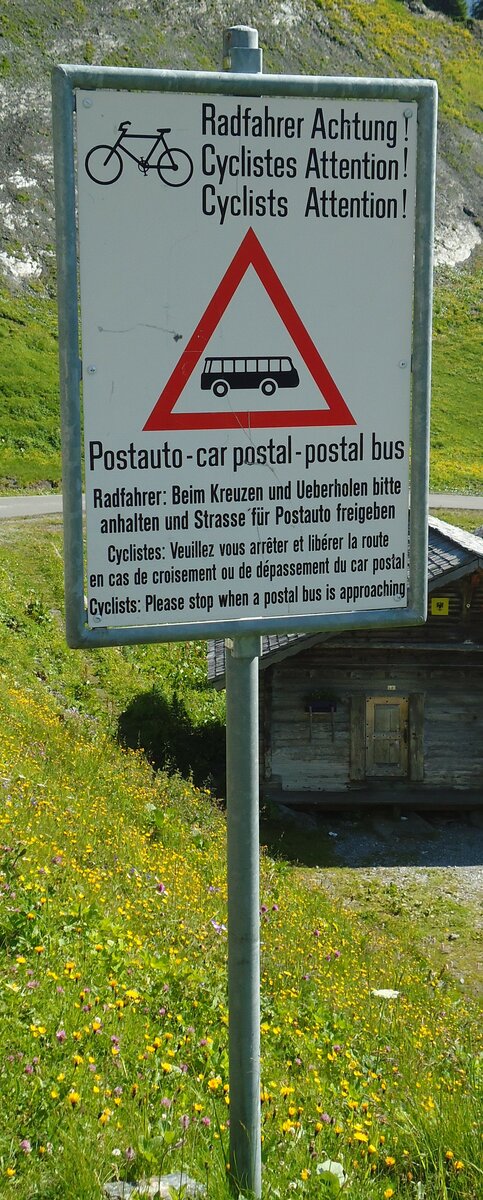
(163, 729)
(300, 846)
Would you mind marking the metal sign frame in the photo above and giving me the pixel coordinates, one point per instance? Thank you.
(65, 80)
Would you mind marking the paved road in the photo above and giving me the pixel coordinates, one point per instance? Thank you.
(29, 506)
(455, 500)
(33, 506)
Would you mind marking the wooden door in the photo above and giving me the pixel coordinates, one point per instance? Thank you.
(387, 737)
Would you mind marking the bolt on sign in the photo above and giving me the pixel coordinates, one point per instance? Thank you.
(255, 286)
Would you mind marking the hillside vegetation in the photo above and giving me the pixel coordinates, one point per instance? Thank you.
(113, 959)
(333, 37)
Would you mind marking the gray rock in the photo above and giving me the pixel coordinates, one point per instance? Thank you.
(118, 1190)
(412, 826)
(292, 816)
(298, 33)
(159, 1187)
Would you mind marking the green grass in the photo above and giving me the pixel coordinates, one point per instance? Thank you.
(401, 45)
(101, 684)
(466, 518)
(456, 426)
(424, 909)
(29, 394)
(113, 958)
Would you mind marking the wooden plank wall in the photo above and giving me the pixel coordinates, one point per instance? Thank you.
(446, 715)
(453, 729)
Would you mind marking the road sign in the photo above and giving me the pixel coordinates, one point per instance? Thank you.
(263, 374)
(247, 270)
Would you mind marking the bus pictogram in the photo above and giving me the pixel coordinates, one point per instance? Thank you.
(221, 375)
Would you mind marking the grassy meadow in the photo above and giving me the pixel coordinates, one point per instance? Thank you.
(466, 518)
(113, 957)
(29, 394)
(456, 426)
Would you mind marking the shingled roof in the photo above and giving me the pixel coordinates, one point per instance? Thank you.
(452, 553)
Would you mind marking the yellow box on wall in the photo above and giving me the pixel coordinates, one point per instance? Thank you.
(439, 606)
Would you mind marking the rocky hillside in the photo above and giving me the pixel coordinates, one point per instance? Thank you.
(353, 37)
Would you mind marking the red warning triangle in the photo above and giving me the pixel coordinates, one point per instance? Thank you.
(249, 253)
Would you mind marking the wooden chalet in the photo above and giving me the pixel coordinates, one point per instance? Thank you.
(381, 716)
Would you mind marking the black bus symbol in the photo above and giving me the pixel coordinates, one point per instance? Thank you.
(221, 374)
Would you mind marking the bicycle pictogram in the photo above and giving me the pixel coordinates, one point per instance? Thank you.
(105, 164)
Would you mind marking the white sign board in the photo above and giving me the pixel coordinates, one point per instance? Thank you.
(246, 269)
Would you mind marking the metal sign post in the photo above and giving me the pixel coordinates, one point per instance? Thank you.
(241, 53)
(243, 911)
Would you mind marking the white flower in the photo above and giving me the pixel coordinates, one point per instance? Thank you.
(385, 993)
(332, 1167)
